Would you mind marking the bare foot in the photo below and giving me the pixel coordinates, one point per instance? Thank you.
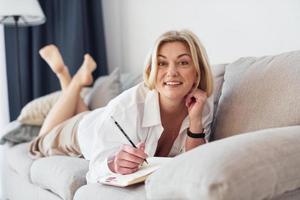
(52, 56)
(84, 74)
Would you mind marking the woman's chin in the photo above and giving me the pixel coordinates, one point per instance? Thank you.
(174, 96)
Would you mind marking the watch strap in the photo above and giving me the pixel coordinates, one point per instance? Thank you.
(195, 135)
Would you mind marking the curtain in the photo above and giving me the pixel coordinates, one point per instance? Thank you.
(75, 26)
(4, 115)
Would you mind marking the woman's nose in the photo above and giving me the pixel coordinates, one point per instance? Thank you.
(172, 70)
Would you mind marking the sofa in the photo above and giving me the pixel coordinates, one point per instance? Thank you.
(254, 152)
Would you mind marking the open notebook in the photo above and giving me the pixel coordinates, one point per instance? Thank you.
(136, 177)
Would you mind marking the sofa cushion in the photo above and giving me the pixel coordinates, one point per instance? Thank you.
(62, 175)
(97, 191)
(259, 93)
(290, 195)
(18, 159)
(256, 165)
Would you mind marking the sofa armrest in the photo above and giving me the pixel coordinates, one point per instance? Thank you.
(255, 165)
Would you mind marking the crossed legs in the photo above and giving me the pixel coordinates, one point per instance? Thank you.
(69, 103)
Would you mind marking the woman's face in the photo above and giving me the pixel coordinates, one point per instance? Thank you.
(176, 74)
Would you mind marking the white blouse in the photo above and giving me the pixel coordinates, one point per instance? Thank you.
(137, 111)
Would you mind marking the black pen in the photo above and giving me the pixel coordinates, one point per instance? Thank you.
(128, 138)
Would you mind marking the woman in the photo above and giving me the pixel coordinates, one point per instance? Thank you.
(169, 113)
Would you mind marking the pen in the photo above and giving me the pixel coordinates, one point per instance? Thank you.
(127, 137)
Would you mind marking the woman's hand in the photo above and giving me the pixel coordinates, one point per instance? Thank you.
(128, 159)
(195, 102)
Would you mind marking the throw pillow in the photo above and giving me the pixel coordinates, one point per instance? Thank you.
(104, 89)
(129, 80)
(35, 112)
(259, 93)
(251, 166)
(19, 133)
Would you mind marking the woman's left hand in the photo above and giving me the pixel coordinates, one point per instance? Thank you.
(195, 102)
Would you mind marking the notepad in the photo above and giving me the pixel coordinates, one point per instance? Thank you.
(136, 177)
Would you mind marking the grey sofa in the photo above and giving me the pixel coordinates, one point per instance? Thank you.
(253, 153)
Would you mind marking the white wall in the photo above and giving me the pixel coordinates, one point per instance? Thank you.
(229, 29)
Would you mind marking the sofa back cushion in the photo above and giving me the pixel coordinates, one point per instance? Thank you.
(218, 74)
(259, 93)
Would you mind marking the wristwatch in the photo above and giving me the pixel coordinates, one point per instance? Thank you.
(196, 135)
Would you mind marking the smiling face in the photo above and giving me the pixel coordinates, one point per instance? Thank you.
(176, 73)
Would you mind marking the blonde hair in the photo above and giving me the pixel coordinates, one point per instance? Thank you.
(198, 53)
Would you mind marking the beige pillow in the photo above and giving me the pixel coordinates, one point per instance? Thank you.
(35, 112)
(104, 89)
(259, 93)
(251, 166)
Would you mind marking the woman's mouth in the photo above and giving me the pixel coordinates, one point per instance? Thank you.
(172, 83)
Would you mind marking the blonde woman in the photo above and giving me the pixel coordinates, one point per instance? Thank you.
(167, 114)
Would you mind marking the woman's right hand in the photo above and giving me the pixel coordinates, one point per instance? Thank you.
(128, 159)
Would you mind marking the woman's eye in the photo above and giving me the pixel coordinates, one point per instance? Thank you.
(183, 63)
(162, 63)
